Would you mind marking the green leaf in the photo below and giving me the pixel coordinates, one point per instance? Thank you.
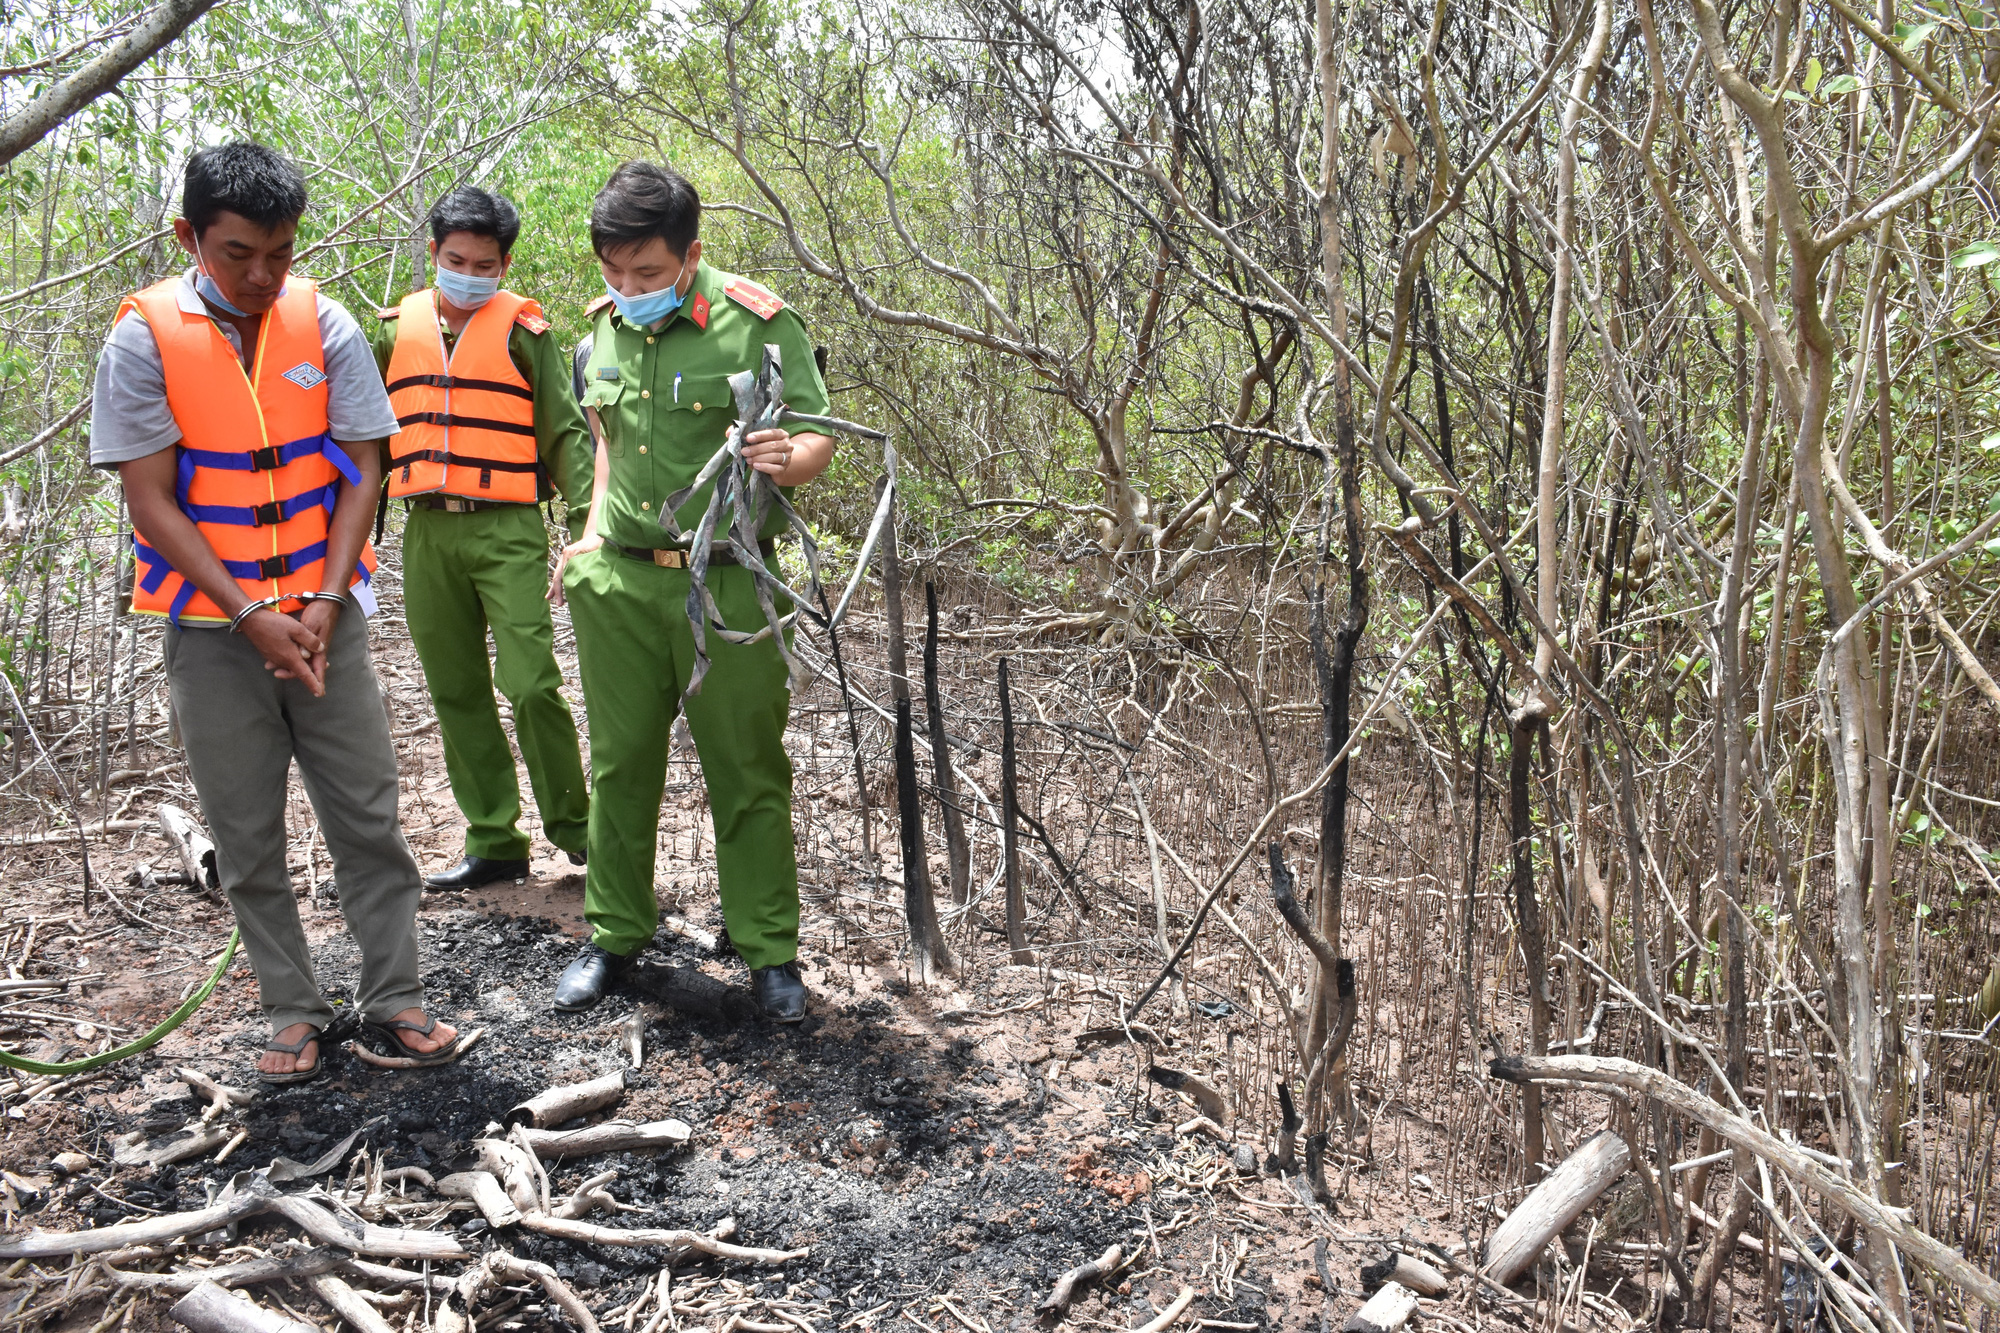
(1991, 442)
(1840, 85)
(1792, 95)
(1976, 255)
(1814, 73)
(1914, 35)
(1992, 546)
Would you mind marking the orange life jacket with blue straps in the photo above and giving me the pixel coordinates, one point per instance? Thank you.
(468, 416)
(257, 471)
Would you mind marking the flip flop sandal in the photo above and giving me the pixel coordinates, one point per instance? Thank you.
(386, 1032)
(295, 1048)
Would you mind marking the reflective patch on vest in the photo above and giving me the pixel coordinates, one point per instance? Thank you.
(306, 375)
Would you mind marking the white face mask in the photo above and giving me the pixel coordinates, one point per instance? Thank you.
(209, 291)
(467, 291)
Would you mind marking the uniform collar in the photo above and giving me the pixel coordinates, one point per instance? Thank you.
(187, 298)
(702, 294)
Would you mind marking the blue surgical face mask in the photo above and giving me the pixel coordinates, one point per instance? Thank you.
(467, 291)
(649, 308)
(206, 286)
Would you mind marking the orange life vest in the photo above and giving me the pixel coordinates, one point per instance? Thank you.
(257, 471)
(468, 418)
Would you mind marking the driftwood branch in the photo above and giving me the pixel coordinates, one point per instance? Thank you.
(1385, 1311)
(361, 1052)
(1677, 1096)
(209, 1309)
(1554, 1204)
(611, 1136)
(506, 1265)
(555, 1105)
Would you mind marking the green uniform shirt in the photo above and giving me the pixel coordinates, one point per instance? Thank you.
(561, 440)
(663, 395)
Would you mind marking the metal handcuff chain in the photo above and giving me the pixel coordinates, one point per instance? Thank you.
(739, 506)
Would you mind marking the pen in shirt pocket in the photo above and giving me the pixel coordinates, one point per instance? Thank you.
(677, 386)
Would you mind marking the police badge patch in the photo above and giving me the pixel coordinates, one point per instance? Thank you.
(306, 375)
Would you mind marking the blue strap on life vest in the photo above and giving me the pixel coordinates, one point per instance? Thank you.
(264, 515)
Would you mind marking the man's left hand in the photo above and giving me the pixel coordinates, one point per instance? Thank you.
(320, 616)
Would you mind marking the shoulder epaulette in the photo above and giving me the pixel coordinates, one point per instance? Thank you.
(389, 312)
(530, 318)
(597, 305)
(759, 301)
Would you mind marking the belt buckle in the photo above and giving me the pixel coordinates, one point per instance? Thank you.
(670, 557)
(458, 506)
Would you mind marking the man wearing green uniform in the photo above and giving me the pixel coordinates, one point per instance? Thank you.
(655, 375)
(493, 428)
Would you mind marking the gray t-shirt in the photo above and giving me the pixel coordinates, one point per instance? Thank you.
(130, 419)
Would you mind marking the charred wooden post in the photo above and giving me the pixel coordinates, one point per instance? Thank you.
(1010, 808)
(958, 850)
(1332, 1046)
(1525, 726)
(928, 954)
(1316, 1169)
(1203, 1093)
(1286, 1157)
(694, 992)
(853, 732)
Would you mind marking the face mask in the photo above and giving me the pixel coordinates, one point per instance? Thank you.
(205, 286)
(649, 308)
(467, 291)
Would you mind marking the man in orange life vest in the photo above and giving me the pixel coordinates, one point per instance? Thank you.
(240, 410)
(490, 427)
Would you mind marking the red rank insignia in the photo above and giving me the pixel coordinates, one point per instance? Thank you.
(698, 311)
(753, 298)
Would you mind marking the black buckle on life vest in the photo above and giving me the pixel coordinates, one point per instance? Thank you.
(267, 459)
(274, 567)
(268, 515)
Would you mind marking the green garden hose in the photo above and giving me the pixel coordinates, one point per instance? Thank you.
(146, 1042)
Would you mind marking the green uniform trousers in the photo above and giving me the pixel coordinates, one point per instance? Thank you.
(243, 728)
(634, 650)
(462, 575)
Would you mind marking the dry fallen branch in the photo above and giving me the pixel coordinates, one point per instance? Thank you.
(209, 1309)
(1405, 1271)
(1175, 1309)
(1555, 1203)
(610, 1136)
(219, 1097)
(1387, 1310)
(521, 1270)
(258, 1197)
(694, 1242)
(1065, 1289)
(1204, 1094)
(346, 1302)
(552, 1106)
(1677, 1096)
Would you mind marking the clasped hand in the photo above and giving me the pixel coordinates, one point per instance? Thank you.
(294, 647)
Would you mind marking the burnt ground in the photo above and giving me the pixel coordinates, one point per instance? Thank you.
(944, 1152)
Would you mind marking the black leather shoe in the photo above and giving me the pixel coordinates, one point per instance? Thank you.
(475, 871)
(584, 981)
(780, 993)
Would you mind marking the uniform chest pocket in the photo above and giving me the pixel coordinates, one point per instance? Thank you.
(602, 396)
(706, 396)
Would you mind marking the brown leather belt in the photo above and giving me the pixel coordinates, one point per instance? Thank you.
(676, 557)
(451, 504)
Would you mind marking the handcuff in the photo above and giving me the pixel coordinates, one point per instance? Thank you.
(236, 622)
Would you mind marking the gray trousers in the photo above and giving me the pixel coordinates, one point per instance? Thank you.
(243, 727)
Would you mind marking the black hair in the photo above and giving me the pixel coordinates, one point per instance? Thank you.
(642, 201)
(481, 212)
(243, 178)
